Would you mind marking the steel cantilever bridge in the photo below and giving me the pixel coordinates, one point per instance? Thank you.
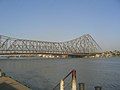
(79, 46)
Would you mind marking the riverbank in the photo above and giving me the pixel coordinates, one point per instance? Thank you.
(8, 83)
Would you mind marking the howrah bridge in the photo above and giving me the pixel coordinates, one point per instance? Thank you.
(82, 46)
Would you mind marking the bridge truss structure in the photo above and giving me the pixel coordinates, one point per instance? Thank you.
(83, 44)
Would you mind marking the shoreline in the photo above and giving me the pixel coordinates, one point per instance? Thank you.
(8, 83)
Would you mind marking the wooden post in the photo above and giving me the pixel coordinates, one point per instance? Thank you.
(98, 88)
(81, 86)
(61, 85)
(74, 81)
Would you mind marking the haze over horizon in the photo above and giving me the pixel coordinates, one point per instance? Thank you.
(62, 20)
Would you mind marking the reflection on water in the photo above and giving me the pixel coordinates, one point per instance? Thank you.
(44, 74)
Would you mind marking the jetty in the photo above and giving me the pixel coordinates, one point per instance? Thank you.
(8, 83)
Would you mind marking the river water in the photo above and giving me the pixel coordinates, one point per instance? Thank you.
(44, 74)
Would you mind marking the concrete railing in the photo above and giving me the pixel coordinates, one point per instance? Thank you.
(73, 83)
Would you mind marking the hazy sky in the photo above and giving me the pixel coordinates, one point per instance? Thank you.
(61, 20)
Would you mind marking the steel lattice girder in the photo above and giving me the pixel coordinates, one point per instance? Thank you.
(83, 44)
